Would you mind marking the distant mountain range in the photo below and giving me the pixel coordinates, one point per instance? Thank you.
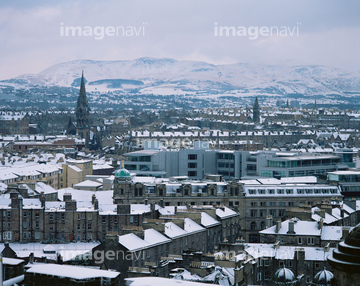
(149, 83)
(171, 77)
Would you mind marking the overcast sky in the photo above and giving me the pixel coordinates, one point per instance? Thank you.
(33, 35)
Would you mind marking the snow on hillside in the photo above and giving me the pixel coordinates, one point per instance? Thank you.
(169, 76)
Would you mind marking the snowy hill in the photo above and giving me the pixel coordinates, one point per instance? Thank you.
(169, 77)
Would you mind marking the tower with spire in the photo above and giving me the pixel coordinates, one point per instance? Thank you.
(82, 113)
(256, 111)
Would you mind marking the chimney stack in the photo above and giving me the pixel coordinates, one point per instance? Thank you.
(345, 232)
(70, 206)
(278, 226)
(291, 227)
(42, 199)
(321, 223)
(269, 221)
(93, 198)
(96, 204)
(123, 209)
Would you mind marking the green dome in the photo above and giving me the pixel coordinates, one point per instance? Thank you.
(122, 173)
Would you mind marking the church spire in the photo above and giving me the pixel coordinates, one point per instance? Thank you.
(82, 108)
(256, 111)
(82, 85)
(82, 112)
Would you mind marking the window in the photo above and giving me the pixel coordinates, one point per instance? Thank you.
(271, 191)
(78, 216)
(253, 204)
(25, 235)
(281, 213)
(24, 214)
(78, 227)
(89, 216)
(51, 216)
(310, 241)
(299, 240)
(253, 213)
(37, 214)
(9, 213)
(103, 219)
(62, 216)
(192, 165)
(7, 235)
(253, 225)
(131, 219)
(273, 213)
(37, 235)
(262, 225)
(192, 173)
(24, 224)
(83, 215)
(262, 213)
(263, 204)
(192, 156)
(37, 224)
(291, 204)
(89, 226)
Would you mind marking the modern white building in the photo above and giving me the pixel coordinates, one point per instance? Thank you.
(196, 162)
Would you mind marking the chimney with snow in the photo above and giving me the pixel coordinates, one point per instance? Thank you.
(278, 226)
(321, 223)
(291, 227)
